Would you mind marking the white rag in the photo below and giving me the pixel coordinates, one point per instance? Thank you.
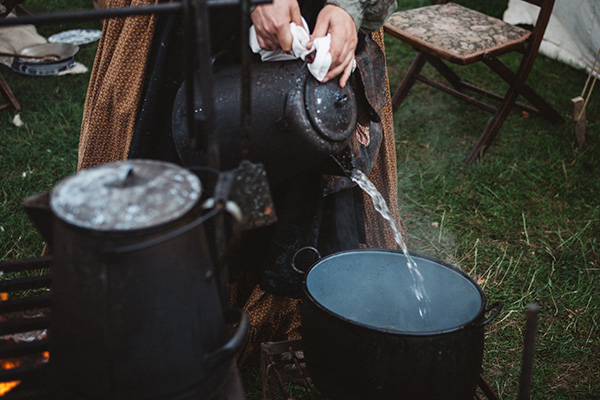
(322, 57)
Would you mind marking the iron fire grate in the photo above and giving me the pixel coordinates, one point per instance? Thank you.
(284, 374)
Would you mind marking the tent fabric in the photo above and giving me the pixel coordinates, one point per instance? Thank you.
(573, 33)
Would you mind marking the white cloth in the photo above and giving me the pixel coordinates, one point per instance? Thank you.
(322, 60)
(13, 39)
(573, 33)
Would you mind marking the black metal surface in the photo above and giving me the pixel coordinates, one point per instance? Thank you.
(280, 135)
(528, 351)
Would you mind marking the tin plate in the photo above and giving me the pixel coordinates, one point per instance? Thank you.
(77, 37)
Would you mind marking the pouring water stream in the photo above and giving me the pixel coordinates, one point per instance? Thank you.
(382, 208)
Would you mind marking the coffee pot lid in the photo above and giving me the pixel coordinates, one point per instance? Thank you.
(127, 195)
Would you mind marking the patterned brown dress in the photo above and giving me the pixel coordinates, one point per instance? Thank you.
(111, 108)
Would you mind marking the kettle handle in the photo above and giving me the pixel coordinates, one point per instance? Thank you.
(293, 262)
(497, 306)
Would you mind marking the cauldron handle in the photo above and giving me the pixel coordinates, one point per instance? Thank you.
(498, 306)
(293, 263)
(226, 352)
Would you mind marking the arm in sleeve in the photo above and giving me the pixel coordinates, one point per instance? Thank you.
(368, 15)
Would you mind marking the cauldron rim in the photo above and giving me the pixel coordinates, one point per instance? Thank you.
(473, 322)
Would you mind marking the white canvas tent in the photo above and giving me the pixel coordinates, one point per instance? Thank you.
(573, 33)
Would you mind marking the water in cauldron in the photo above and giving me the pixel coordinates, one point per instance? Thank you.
(382, 208)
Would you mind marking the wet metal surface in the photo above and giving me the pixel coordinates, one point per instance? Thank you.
(128, 195)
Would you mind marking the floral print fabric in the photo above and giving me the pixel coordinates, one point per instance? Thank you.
(453, 30)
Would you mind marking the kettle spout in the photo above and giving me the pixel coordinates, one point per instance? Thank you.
(38, 210)
(341, 164)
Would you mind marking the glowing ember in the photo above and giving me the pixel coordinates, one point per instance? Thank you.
(6, 387)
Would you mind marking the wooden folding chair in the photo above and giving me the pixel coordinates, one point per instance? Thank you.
(446, 31)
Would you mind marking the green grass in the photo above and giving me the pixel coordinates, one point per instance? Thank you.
(525, 221)
(35, 156)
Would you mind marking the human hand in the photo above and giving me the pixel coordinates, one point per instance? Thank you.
(272, 24)
(336, 21)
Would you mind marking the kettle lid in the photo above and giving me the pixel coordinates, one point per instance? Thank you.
(331, 109)
(126, 195)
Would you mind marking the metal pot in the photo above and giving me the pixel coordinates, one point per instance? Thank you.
(296, 122)
(64, 54)
(363, 337)
(135, 308)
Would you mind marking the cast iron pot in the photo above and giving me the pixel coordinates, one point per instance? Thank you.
(135, 308)
(364, 339)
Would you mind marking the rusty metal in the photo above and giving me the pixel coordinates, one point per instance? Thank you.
(248, 187)
(283, 368)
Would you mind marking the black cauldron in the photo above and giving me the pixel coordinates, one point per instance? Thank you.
(364, 338)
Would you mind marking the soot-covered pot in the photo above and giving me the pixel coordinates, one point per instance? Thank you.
(364, 338)
(135, 307)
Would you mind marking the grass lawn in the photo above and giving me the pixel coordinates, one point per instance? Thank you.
(524, 222)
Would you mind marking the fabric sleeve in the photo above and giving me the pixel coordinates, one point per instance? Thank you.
(368, 15)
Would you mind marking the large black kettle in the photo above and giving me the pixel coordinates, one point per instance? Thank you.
(296, 122)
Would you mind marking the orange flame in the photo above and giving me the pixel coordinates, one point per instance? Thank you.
(6, 387)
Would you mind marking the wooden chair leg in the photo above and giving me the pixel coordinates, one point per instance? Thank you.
(446, 72)
(8, 95)
(493, 126)
(518, 82)
(408, 80)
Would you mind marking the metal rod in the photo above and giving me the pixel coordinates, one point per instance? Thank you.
(26, 264)
(113, 12)
(86, 15)
(24, 325)
(23, 349)
(25, 303)
(30, 282)
(528, 351)
(245, 106)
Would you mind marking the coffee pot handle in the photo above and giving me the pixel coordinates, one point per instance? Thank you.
(226, 352)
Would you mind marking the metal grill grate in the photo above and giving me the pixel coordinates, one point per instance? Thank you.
(24, 320)
(284, 374)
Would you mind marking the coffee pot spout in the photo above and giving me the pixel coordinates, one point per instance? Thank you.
(38, 210)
